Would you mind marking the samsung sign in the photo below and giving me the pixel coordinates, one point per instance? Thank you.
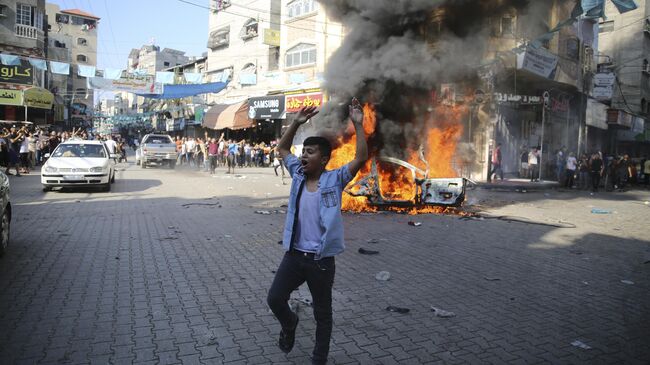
(267, 107)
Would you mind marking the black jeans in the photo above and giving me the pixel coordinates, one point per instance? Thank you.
(294, 270)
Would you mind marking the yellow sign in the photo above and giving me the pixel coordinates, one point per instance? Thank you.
(37, 97)
(11, 97)
(272, 37)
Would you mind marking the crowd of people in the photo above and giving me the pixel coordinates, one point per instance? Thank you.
(209, 153)
(595, 170)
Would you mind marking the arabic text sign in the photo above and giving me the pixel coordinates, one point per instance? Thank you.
(16, 74)
(538, 61)
(297, 102)
(37, 97)
(11, 97)
(518, 99)
(604, 79)
(143, 85)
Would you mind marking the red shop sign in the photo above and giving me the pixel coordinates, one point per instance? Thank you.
(296, 102)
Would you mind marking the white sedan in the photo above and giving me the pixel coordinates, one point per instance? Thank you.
(79, 163)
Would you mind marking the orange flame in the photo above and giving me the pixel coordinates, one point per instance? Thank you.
(396, 182)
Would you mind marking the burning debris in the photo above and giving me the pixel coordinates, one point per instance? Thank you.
(413, 127)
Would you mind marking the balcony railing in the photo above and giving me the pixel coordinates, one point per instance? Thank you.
(26, 31)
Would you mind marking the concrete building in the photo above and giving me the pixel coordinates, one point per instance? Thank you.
(23, 34)
(147, 60)
(72, 37)
(624, 45)
(244, 50)
(309, 39)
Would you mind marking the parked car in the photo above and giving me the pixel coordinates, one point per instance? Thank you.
(79, 162)
(157, 149)
(5, 220)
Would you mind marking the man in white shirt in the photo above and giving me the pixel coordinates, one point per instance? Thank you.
(571, 165)
(110, 144)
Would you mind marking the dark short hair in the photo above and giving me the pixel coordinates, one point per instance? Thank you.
(323, 144)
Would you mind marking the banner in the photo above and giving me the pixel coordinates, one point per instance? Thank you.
(37, 97)
(38, 63)
(11, 97)
(16, 74)
(193, 77)
(596, 114)
(60, 68)
(131, 84)
(164, 77)
(9, 59)
(267, 107)
(298, 101)
(86, 71)
(112, 73)
(182, 91)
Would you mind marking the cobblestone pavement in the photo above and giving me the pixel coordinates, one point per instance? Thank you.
(173, 267)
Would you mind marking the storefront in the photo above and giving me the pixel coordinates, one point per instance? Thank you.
(267, 112)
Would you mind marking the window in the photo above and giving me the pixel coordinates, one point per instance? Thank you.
(82, 58)
(645, 68)
(219, 38)
(605, 27)
(58, 44)
(249, 30)
(3, 10)
(83, 21)
(274, 58)
(302, 54)
(82, 41)
(298, 8)
(62, 18)
(24, 14)
(80, 91)
(507, 25)
(166, 64)
(643, 105)
(573, 48)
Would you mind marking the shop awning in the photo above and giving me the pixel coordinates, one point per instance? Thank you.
(234, 116)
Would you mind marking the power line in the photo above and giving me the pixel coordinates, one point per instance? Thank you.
(110, 25)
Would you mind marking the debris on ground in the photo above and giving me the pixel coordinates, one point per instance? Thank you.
(227, 236)
(372, 240)
(206, 204)
(415, 224)
(488, 278)
(392, 308)
(580, 344)
(628, 282)
(363, 251)
(585, 282)
(168, 238)
(442, 313)
(267, 212)
(600, 211)
(383, 276)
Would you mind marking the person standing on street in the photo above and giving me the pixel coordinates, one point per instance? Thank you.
(571, 165)
(533, 158)
(313, 232)
(560, 164)
(597, 168)
(496, 163)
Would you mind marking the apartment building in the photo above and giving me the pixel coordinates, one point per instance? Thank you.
(624, 45)
(22, 34)
(72, 38)
(243, 48)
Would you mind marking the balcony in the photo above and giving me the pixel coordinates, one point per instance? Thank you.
(26, 31)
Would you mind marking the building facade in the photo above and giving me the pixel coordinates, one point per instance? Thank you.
(72, 38)
(624, 45)
(22, 34)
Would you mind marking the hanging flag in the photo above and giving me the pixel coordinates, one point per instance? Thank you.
(60, 68)
(182, 91)
(164, 77)
(193, 77)
(247, 79)
(624, 6)
(9, 59)
(112, 73)
(139, 72)
(86, 71)
(39, 64)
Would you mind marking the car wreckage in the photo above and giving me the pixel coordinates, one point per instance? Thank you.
(449, 192)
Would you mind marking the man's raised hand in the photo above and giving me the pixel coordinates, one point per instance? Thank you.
(305, 114)
(356, 112)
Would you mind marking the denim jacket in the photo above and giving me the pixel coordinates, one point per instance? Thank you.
(331, 185)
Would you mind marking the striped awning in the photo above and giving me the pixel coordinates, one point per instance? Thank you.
(223, 116)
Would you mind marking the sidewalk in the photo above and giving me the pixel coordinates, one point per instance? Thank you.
(518, 184)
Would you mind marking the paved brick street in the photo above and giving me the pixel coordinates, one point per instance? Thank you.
(173, 267)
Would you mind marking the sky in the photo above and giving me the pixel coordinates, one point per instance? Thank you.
(125, 25)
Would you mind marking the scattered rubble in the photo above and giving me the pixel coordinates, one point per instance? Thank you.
(442, 313)
(628, 282)
(415, 224)
(363, 251)
(383, 276)
(395, 309)
(580, 344)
